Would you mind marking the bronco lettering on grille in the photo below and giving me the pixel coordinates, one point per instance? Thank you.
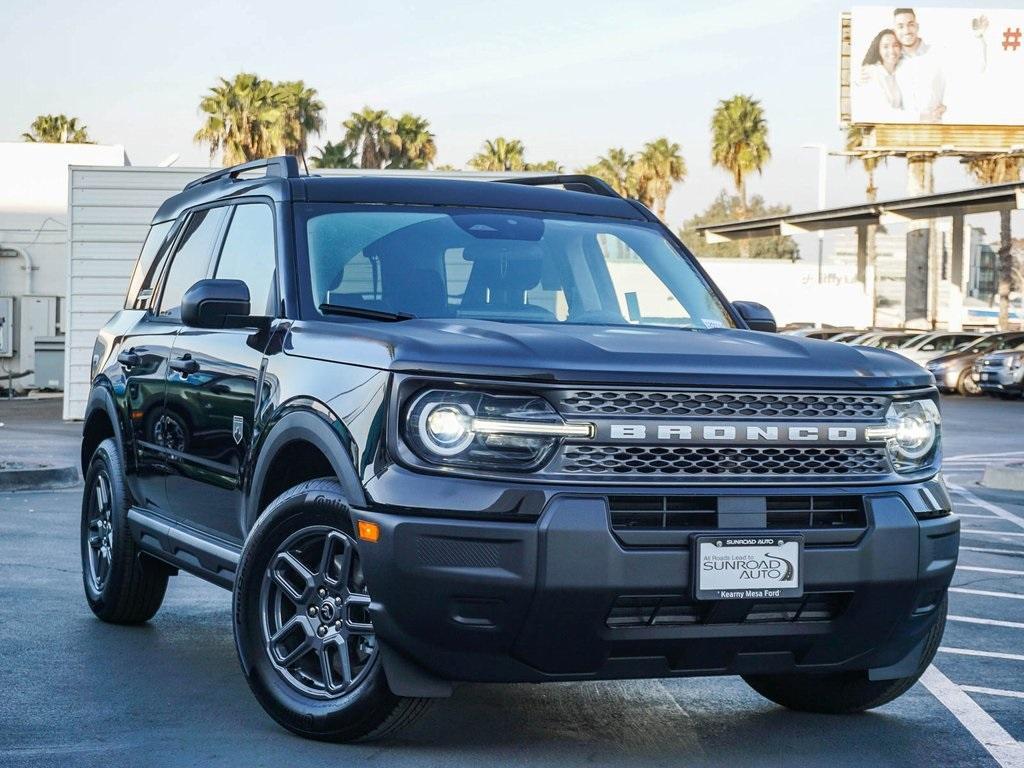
(653, 432)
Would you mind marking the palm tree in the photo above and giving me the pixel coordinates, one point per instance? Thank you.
(57, 129)
(658, 167)
(340, 155)
(549, 166)
(739, 144)
(373, 132)
(300, 116)
(739, 140)
(243, 119)
(414, 145)
(855, 139)
(501, 154)
(616, 168)
(996, 169)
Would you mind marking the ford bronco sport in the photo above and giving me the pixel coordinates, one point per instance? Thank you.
(431, 431)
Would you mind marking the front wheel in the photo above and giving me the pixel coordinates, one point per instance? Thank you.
(302, 627)
(844, 693)
(967, 386)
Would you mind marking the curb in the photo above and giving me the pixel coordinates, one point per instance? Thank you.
(37, 478)
(1008, 478)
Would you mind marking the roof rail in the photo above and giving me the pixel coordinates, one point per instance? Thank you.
(283, 166)
(575, 182)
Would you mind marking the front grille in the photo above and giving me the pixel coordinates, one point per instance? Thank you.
(816, 512)
(683, 513)
(676, 610)
(667, 513)
(721, 404)
(739, 461)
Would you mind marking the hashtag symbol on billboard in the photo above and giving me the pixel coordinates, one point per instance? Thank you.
(1011, 39)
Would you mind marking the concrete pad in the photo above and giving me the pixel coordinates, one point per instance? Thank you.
(1006, 478)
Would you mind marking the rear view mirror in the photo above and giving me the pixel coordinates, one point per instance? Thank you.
(757, 316)
(216, 304)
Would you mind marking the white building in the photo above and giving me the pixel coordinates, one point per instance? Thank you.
(34, 250)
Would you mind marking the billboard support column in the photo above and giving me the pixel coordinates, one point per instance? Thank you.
(920, 241)
(866, 268)
(957, 275)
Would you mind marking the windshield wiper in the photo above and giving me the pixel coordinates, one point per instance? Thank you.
(372, 314)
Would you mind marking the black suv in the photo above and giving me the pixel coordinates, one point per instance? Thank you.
(432, 430)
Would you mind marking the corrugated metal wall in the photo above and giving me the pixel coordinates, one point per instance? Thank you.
(109, 210)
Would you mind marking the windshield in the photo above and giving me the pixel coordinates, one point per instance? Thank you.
(986, 344)
(508, 266)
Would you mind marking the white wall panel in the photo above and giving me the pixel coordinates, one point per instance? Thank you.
(109, 210)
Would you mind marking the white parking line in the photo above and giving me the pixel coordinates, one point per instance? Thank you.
(979, 531)
(980, 569)
(992, 551)
(983, 654)
(968, 514)
(992, 691)
(986, 593)
(995, 509)
(991, 735)
(1003, 454)
(987, 622)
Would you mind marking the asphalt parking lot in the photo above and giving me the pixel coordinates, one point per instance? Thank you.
(79, 692)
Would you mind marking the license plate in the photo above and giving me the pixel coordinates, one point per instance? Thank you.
(986, 376)
(747, 567)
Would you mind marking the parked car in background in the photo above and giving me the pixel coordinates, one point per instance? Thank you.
(936, 343)
(848, 337)
(887, 339)
(954, 372)
(1002, 373)
(816, 333)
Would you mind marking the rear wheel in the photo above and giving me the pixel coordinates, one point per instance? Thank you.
(844, 692)
(122, 585)
(301, 621)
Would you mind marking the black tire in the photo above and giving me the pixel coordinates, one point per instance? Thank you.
(364, 707)
(967, 386)
(844, 693)
(122, 585)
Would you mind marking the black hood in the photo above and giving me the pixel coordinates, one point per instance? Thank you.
(605, 354)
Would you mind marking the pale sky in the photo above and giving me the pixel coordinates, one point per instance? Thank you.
(570, 79)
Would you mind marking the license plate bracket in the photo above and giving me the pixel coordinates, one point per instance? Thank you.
(747, 566)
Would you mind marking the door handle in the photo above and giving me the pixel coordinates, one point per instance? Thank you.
(129, 359)
(184, 365)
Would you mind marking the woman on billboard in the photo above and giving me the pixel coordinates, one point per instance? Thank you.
(882, 81)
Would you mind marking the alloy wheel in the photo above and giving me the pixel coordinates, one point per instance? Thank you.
(100, 531)
(314, 607)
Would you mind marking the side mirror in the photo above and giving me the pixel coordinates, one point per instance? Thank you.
(216, 304)
(757, 316)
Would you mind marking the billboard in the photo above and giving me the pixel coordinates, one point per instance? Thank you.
(936, 66)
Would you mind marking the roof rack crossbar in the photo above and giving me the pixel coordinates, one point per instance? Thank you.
(576, 182)
(283, 166)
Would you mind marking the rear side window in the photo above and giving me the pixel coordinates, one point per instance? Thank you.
(147, 268)
(248, 254)
(191, 261)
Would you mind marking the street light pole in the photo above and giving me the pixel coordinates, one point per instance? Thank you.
(822, 171)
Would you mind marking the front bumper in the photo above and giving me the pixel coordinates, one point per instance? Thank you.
(947, 379)
(1002, 380)
(561, 597)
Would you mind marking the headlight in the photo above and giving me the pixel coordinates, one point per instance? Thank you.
(911, 433)
(484, 431)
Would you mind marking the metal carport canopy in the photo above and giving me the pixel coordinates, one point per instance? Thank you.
(995, 197)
